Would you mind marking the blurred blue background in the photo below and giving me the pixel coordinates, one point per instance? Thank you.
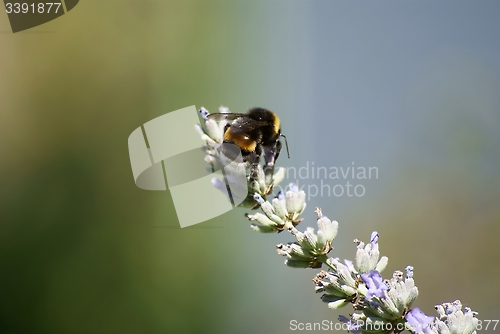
(411, 88)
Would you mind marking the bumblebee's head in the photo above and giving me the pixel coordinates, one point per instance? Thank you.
(277, 130)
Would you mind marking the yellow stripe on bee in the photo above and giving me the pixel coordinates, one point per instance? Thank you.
(248, 145)
(276, 124)
(242, 140)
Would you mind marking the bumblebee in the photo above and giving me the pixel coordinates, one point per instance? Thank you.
(255, 133)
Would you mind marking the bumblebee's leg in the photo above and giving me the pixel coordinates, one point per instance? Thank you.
(254, 169)
(271, 157)
(278, 150)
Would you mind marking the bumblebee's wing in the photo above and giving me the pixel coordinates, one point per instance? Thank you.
(245, 125)
(225, 116)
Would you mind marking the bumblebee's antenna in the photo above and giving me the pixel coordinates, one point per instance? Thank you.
(286, 143)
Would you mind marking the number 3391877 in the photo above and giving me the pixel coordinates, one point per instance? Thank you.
(40, 8)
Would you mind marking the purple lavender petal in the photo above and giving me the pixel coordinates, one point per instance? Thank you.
(418, 320)
(375, 284)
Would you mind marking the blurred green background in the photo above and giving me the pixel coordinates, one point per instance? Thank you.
(409, 87)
